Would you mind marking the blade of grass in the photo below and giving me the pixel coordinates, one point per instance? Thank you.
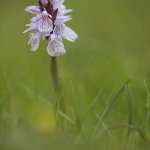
(1, 104)
(115, 100)
(56, 109)
(148, 108)
(147, 89)
(77, 120)
(105, 127)
(129, 103)
(76, 141)
(110, 106)
(91, 105)
(1, 115)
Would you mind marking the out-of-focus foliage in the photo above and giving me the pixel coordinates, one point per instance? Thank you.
(113, 45)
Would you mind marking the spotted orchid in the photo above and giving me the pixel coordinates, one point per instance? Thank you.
(49, 23)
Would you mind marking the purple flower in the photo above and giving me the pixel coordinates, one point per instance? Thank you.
(49, 23)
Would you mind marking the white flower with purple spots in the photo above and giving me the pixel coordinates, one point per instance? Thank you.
(49, 23)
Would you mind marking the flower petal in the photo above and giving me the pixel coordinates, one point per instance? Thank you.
(65, 32)
(34, 41)
(59, 29)
(57, 3)
(45, 26)
(35, 19)
(35, 44)
(62, 19)
(53, 36)
(32, 28)
(62, 10)
(69, 34)
(33, 9)
(55, 48)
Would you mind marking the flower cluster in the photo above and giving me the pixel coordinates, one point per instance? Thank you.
(49, 24)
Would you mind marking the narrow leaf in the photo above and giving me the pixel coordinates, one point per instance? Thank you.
(129, 102)
(109, 108)
(57, 109)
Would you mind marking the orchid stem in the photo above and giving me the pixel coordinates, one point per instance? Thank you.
(54, 73)
(56, 81)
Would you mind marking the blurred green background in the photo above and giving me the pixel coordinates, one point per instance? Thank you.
(113, 45)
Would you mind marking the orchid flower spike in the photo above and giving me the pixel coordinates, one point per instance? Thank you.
(49, 23)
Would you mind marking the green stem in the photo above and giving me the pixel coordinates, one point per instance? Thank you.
(54, 73)
(56, 81)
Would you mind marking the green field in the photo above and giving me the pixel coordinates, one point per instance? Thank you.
(105, 80)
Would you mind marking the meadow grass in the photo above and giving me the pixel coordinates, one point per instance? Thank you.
(74, 129)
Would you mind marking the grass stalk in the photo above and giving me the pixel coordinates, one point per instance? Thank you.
(77, 119)
(148, 109)
(129, 104)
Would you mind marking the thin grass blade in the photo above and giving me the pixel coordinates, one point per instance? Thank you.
(91, 105)
(129, 105)
(109, 108)
(148, 108)
(57, 109)
(77, 119)
(105, 127)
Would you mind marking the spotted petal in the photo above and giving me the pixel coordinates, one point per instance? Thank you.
(59, 30)
(69, 34)
(45, 26)
(62, 19)
(34, 41)
(55, 48)
(65, 32)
